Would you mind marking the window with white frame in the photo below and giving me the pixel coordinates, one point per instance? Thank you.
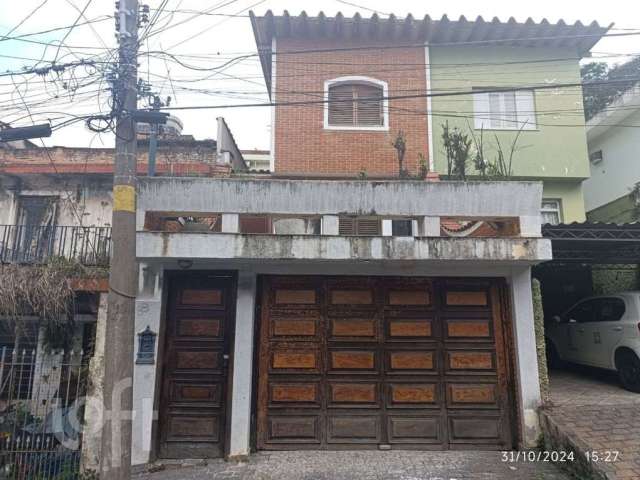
(550, 212)
(356, 103)
(511, 110)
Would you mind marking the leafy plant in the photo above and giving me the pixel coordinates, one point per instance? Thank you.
(457, 147)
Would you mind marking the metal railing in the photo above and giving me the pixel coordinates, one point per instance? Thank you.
(41, 414)
(37, 243)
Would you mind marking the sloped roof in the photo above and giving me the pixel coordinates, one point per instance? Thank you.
(419, 31)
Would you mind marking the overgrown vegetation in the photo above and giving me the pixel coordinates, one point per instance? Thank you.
(635, 198)
(597, 97)
(465, 151)
(44, 291)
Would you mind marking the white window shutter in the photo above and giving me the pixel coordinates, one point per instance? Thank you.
(481, 110)
(526, 109)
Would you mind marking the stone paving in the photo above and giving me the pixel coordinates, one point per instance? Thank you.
(592, 405)
(365, 465)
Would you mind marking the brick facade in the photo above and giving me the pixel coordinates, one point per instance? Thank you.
(303, 146)
(188, 160)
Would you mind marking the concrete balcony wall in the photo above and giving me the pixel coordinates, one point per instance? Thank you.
(319, 197)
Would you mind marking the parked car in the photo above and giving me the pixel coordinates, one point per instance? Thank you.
(602, 332)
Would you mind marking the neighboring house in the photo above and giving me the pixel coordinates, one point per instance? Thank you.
(258, 161)
(56, 203)
(335, 305)
(612, 193)
(332, 139)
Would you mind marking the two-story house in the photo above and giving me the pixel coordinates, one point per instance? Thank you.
(347, 301)
(420, 70)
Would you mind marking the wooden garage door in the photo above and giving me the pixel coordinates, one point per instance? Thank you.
(194, 387)
(363, 362)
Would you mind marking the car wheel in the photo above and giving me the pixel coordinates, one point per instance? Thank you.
(553, 359)
(629, 371)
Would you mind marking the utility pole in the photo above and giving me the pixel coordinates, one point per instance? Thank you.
(123, 277)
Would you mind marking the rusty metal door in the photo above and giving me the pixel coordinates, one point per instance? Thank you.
(379, 362)
(194, 391)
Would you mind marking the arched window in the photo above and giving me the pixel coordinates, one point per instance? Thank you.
(356, 103)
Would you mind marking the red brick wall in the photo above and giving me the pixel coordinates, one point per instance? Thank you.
(170, 161)
(303, 146)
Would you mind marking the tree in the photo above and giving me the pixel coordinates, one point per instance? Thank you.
(597, 97)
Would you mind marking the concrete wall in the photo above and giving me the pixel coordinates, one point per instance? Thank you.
(315, 197)
(258, 248)
(571, 199)
(553, 150)
(82, 200)
(619, 170)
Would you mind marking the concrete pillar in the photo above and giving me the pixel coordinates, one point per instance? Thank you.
(242, 367)
(230, 223)
(526, 356)
(148, 313)
(92, 435)
(330, 225)
(387, 228)
(530, 226)
(431, 226)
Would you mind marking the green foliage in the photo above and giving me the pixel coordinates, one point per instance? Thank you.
(457, 146)
(43, 291)
(541, 351)
(597, 97)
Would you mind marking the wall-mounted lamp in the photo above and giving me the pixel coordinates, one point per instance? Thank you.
(185, 264)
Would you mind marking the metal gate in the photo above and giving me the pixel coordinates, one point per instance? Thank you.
(41, 413)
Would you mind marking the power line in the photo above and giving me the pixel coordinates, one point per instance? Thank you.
(66, 35)
(401, 97)
(102, 18)
(31, 14)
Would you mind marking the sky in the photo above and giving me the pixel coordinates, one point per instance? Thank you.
(206, 41)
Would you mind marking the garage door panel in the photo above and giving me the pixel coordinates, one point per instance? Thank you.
(354, 361)
(421, 428)
(351, 297)
(474, 429)
(353, 329)
(347, 394)
(353, 428)
(473, 362)
(404, 362)
(295, 359)
(472, 395)
(468, 329)
(293, 429)
(413, 395)
(296, 325)
(294, 394)
(409, 329)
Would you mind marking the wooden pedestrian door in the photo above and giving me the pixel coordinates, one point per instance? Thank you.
(194, 391)
(379, 362)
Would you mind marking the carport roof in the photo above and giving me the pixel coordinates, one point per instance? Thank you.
(594, 242)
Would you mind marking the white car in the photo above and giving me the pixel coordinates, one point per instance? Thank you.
(602, 332)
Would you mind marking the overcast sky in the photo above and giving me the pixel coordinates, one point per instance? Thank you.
(210, 40)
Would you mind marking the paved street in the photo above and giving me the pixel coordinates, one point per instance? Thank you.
(593, 406)
(366, 465)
